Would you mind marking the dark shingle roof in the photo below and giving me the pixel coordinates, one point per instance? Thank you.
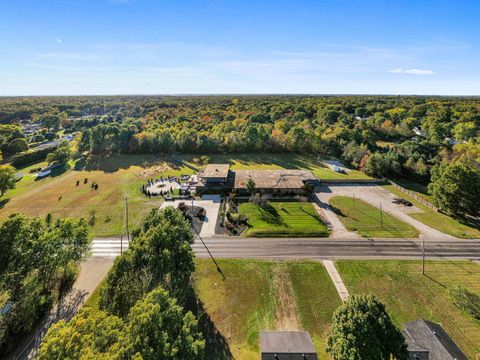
(424, 334)
(286, 342)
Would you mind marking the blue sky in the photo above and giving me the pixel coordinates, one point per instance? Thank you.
(60, 47)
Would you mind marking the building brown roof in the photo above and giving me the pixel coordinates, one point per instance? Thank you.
(216, 171)
(273, 179)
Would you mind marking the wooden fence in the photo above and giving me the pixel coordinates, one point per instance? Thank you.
(413, 195)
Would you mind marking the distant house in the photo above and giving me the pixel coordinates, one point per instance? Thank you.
(5, 309)
(47, 170)
(417, 131)
(31, 128)
(287, 345)
(68, 137)
(428, 341)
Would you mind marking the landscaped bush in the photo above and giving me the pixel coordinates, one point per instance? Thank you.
(466, 300)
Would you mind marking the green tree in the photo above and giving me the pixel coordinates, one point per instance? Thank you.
(455, 187)
(17, 146)
(61, 154)
(362, 329)
(465, 131)
(250, 186)
(7, 178)
(89, 335)
(36, 259)
(158, 328)
(160, 254)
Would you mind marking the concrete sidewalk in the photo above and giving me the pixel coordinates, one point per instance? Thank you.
(337, 280)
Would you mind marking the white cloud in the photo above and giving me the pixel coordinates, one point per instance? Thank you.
(411, 71)
(58, 40)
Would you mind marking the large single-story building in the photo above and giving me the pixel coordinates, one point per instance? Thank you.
(287, 345)
(218, 177)
(428, 341)
(274, 180)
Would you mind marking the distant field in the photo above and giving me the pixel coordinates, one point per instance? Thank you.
(118, 178)
(296, 219)
(409, 295)
(264, 295)
(368, 221)
(438, 220)
(262, 161)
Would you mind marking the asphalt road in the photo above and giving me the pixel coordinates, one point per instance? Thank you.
(320, 248)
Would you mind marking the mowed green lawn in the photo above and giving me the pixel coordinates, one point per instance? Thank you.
(409, 295)
(265, 295)
(295, 219)
(438, 220)
(118, 177)
(368, 221)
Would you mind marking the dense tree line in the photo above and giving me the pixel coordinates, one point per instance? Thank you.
(39, 257)
(143, 304)
(385, 136)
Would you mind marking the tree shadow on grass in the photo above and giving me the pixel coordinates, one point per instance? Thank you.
(216, 346)
(270, 215)
(4, 202)
(114, 163)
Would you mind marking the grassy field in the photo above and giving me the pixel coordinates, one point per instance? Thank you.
(294, 219)
(263, 295)
(368, 221)
(117, 177)
(263, 161)
(122, 176)
(419, 189)
(409, 295)
(438, 220)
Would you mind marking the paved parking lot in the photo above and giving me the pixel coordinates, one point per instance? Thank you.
(211, 204)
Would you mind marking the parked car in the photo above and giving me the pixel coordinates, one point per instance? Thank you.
(402, 202)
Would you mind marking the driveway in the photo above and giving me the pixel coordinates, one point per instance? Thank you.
(374, 195)
(92, 271)
(211, 204)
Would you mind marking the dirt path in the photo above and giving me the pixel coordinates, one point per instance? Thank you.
(286, 317)
(92, 272)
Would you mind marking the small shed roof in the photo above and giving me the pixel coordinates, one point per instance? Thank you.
(286, 342)
(216, 171)
(424, 334)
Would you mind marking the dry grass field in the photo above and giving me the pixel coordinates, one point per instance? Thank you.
(117, 178)
(266, 295)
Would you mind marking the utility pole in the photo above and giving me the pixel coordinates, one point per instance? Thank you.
(126, 221)
(423, 256)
